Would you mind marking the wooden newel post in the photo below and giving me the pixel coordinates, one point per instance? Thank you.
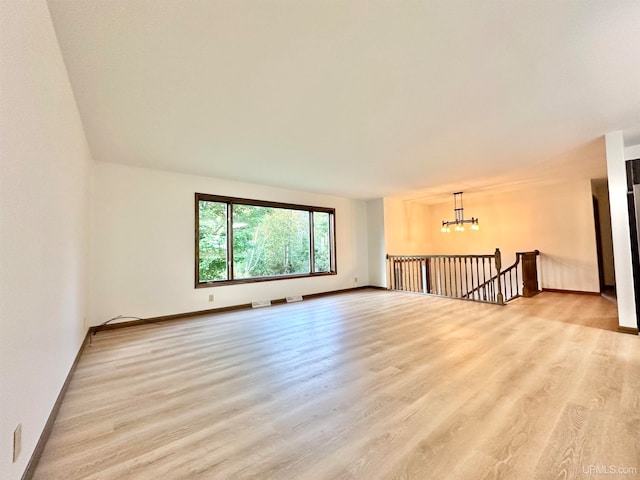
(530, 273)
(500, 297)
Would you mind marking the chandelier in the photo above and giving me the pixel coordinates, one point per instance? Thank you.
(459, 213)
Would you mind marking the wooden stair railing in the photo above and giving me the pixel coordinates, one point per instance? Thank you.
(529, 266)
(478, 278)
(451, 276)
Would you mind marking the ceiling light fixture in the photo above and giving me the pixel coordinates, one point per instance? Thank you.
(459, 221)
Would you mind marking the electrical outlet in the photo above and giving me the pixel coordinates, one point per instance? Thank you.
(211, 297)
(17, 442)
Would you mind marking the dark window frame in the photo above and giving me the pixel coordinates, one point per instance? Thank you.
(230, 201)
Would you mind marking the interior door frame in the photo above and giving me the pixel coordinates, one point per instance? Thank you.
(633, 178)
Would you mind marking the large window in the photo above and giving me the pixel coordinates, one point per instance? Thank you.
(240, 240)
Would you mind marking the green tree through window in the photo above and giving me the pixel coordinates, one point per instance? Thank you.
(212, 241)
(267, 241)
(321, 242)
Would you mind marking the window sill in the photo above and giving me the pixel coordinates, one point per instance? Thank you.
(218, 283)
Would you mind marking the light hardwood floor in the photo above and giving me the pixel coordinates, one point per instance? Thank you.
(588, 310)
(366, 385)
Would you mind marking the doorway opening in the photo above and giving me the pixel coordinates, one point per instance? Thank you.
(604, 239)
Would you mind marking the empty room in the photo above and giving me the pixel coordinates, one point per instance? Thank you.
(283, 239)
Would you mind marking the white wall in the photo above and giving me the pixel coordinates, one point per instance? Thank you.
(376, 242)
(632, 152)
(557, 220)
(407, 227)
(44, 182)
(617, 175)
(142, 252)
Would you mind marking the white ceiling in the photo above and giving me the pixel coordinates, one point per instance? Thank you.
(355, 98)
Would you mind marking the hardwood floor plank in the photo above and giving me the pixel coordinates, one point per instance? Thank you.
(366, 385)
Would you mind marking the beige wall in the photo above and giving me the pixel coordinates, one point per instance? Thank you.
(407, 227)
(44, 206)
(556, 220)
